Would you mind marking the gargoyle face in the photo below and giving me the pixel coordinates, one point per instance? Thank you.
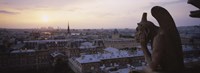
(144, 29)
(140, 30)
(141, 33)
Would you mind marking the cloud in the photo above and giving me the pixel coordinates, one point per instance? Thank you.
(103, 13)
(168, 2)
(30, 4)
(8, 12)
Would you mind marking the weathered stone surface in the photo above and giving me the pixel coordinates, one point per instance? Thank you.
(196, 13)
(167, 53)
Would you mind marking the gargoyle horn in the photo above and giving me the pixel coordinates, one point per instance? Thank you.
(144, 18)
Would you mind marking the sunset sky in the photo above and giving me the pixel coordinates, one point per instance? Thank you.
(86, 14)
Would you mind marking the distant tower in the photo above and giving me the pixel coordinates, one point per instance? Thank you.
(68, 29)
(115, 34)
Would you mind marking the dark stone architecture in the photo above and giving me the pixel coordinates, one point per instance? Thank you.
(167, 54)
(196, 13)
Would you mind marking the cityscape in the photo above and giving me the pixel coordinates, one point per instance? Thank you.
(69, 45)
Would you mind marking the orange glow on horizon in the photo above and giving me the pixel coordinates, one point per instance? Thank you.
(87, 14)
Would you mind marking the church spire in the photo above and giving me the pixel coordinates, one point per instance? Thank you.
(68, 29)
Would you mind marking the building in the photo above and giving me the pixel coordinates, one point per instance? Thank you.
(79, 48)
(27, 59)
(120, 43)
(111, 57)
(115, 34)
(68, 30)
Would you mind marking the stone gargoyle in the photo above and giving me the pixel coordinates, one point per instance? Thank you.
(167, 55)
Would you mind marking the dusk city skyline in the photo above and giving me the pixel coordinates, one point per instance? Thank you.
(88, 14)
(99, 36)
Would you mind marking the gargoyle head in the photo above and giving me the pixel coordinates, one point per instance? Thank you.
(144, 30)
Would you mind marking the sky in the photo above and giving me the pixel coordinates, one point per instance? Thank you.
(88, 14)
